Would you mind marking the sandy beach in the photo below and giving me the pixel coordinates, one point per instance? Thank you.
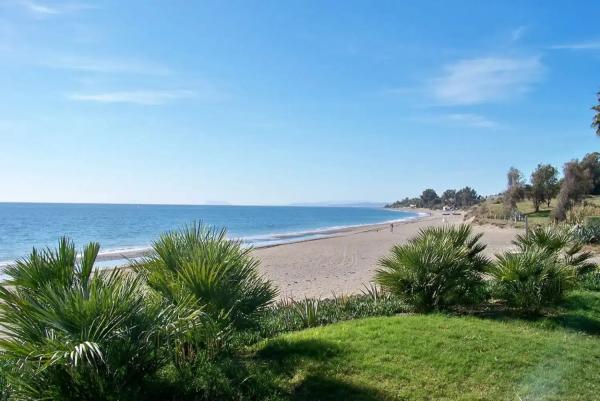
(343, 263)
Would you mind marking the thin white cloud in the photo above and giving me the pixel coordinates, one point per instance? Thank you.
(48, 9)
(481, 80)
(588, 45)
(141, 97)
(40, 9)
(105, 65)
(469, 120)
(472, 120)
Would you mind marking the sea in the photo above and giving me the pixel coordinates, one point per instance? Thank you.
(129, 229)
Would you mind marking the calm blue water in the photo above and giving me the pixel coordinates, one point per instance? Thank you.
(122, 227)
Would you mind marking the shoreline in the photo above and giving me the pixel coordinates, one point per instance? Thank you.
(332, 233)
(120, 256)
(346, 259)
(344, 263)
(294, 238)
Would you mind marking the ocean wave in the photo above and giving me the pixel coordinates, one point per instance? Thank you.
(110, 256)
(259, 241)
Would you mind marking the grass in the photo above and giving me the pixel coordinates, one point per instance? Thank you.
(595, 200)
(541, 217)
(444, 357)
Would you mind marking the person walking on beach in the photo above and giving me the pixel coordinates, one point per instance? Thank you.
(391, 227)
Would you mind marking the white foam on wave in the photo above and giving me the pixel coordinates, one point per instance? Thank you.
(120, 256)
(120, 252)
(259, 241)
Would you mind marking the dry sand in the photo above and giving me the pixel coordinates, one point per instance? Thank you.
(343, 263)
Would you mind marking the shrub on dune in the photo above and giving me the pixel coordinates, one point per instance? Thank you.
(587, 234)
(560, 243)
(74, 333)
(549, 261)
(219, 274)
(440, 267)
(531, 279)
(199, 267)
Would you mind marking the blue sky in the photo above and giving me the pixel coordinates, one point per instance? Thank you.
(277, 102)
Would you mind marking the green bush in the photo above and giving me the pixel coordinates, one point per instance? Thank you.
(438, 268)
(200, 268)
(590, 281)
(73, 333)
(290, 315)
(219, 274)
(531, 279)
(589, 231)
(588, 234)
(5, 388)
(307, 311)
(561, 243)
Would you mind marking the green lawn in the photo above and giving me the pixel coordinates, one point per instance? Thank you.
(440, 357)
(541, 217)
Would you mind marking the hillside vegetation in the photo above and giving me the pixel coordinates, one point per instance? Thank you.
(493, 211)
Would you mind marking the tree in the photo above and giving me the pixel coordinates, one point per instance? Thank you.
(514, 176)
(596, 121)
(591, 163)
(466, 197)
(514, 191)
(544, 187)
(449, 197)
(528, 191)
(577, 182)
(429, 198)
(406, 202)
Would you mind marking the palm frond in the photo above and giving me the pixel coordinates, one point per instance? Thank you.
(76, 333)
(219, 273)
(439, 267)
(559, 242)
(531, 279)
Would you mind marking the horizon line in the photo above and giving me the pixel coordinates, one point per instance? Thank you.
(294, 204)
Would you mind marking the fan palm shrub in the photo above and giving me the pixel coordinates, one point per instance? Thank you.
(440, 267)
(74, 333)
(587, 234)
(531, 279)
(219, 274)
(561, 243)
